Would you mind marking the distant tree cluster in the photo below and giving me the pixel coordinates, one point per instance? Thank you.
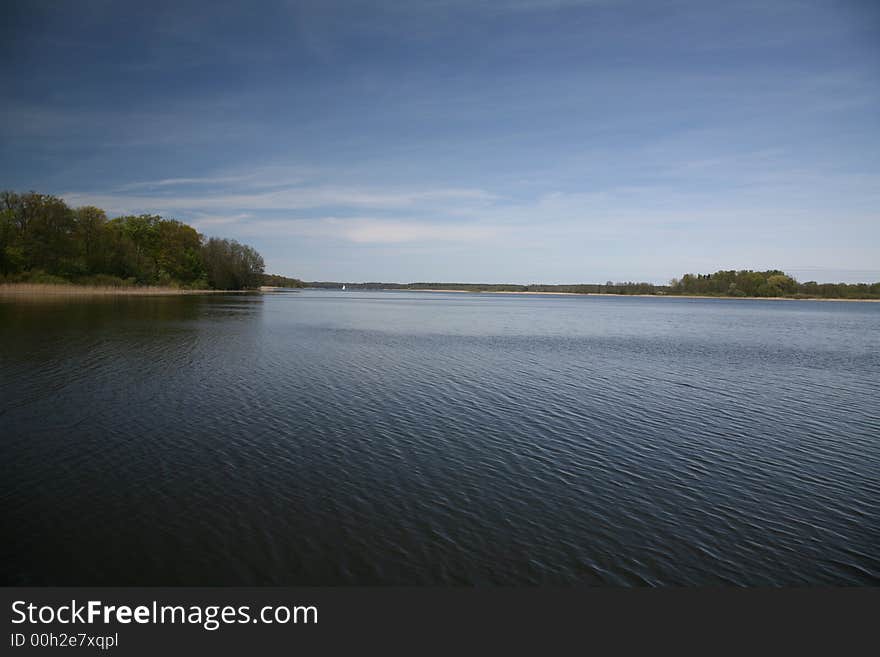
(42, 240)
(771, 283)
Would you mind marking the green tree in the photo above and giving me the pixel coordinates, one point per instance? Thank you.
(91, 236)
(232, 266)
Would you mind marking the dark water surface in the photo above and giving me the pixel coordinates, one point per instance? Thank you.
(337, 438)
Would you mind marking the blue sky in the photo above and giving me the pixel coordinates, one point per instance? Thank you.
(519, 141)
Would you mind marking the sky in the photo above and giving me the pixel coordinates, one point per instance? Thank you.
(522, 141)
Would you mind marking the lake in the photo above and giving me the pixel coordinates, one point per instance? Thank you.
(327, 437)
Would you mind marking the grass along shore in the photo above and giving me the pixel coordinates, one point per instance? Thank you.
(72, 290)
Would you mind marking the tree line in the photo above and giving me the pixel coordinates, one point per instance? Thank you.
(608, 288)
(42, 240)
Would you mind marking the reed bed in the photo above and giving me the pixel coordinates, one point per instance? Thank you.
(57, 290)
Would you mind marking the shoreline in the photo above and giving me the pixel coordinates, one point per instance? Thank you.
(648, 296)
(54, 290)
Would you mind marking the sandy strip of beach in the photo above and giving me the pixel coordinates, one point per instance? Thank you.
(574, 294)
(648, 296)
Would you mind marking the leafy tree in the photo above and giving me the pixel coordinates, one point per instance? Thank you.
(91, 237)
(232, 266)
(178, 254)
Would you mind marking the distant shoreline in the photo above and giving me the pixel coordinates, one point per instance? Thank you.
(741, 284)
(611, 294)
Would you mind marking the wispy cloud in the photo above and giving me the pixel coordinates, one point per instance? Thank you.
(372, 230)
(200, 220)
(174, 182)
(289, 198)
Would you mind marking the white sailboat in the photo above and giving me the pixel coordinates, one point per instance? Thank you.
(343, 288)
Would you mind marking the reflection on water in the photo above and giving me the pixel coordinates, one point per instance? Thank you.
(333, 438)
